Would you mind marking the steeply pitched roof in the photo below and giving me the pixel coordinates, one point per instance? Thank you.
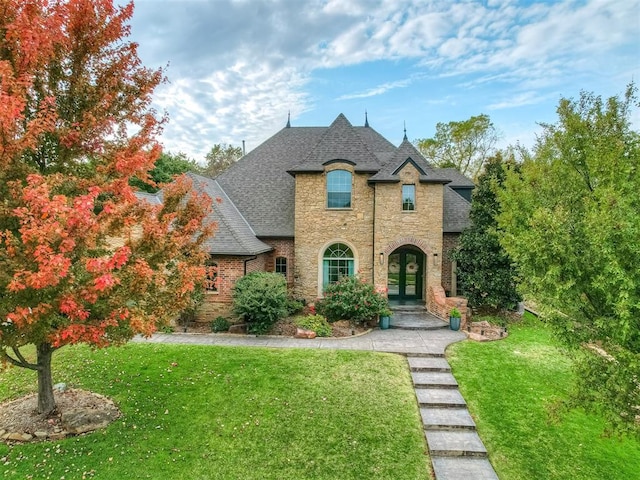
(259, 186)
(405, 153)
(339, 142)
(234, 235)
(455, 212)
(458, 180)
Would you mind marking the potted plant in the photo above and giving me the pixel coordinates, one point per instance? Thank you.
(385, 318)
(454, 319)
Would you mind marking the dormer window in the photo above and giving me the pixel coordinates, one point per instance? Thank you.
(339, 189)
(408, 198)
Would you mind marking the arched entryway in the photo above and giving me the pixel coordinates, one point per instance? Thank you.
(405, 275)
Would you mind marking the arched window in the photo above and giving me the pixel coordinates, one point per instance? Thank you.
(339, 189)
(337, 262)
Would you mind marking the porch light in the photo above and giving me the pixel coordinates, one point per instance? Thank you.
(435, 259)
(381, 258)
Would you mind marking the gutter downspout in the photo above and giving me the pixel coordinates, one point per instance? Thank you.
(247, 261)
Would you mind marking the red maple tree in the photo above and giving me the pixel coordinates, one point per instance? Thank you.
(81, 259)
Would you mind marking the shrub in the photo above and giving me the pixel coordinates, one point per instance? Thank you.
(294, 306)
(455, 313)
(261, 299)
(220, 324)
(317, 323)
(352, 299)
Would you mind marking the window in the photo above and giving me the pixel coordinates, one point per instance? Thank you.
(337, 262)
(211, 281)
(281, 265)
(339, 189)
(408, 197)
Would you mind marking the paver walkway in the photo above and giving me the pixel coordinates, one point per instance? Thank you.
(456, 451)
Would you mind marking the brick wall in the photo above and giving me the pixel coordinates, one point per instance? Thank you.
(230, 269)
(440, 305)
(282, 247)
(449, 243)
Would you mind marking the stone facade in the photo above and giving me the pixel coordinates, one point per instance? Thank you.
(317, 227)
(421, 228)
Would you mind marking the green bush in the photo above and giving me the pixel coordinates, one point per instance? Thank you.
(317, 323)
(220, 324)
(294, 306)
(352, 299)
(260, 298)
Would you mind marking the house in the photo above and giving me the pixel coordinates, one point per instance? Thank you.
(316, 203)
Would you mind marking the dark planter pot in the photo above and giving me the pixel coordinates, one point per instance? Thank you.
(384, 322)
(454, 323)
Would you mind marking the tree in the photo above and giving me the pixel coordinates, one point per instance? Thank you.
(220, 157)
(571, 224)
(81, 260)
(486, 274)
(464, 145)
(165, 169)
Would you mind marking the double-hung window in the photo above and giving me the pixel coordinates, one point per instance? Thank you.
(408, 198)
(339, 189)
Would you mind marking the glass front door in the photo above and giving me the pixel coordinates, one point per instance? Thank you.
(404, 278)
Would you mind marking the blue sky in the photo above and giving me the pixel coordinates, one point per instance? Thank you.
(237, 67)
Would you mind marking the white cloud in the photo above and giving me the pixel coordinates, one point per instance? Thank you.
(238, 66)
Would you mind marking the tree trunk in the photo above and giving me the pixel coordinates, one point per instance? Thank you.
(46, 401)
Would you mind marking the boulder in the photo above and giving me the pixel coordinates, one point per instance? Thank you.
(238, 328)
(82, 420)
(303, 333)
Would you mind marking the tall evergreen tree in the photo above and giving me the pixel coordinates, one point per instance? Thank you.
(486, 274)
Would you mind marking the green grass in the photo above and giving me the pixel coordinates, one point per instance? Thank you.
(511, 387)
(193, 412)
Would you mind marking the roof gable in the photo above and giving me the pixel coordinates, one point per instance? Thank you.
(341, 141)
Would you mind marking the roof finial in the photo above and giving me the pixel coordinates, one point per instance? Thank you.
(366, 119)
(288, 120)
(405, 131)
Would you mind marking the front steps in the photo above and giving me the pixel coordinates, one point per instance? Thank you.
(456, 451)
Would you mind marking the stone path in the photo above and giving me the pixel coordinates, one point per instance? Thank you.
(456, 451)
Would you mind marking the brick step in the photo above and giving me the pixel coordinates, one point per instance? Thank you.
(440, 398)
(450, 468)
(447, 419)
(455, 444)
(428, 364)
(433, 380)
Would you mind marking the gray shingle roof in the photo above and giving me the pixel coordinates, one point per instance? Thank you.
(339, 142)
(457, 178)
(234, 235)
(407, 152)
(455, 212)
(261, 188)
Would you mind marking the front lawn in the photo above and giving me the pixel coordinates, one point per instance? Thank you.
(197, 412)
(511, 386)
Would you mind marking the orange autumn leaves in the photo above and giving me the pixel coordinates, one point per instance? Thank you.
(81, 259)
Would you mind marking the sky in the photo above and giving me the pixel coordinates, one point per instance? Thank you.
(237, 68)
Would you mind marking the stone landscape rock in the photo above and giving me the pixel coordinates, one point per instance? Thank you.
(82, 420)
(238, 328)
(302, 333)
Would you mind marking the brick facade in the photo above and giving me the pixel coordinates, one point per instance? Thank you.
(449, 243)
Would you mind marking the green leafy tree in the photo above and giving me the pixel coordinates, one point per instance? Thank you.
(220, 157)
(486, 274)
(166, 168)
(465, 145)
(571, 224)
